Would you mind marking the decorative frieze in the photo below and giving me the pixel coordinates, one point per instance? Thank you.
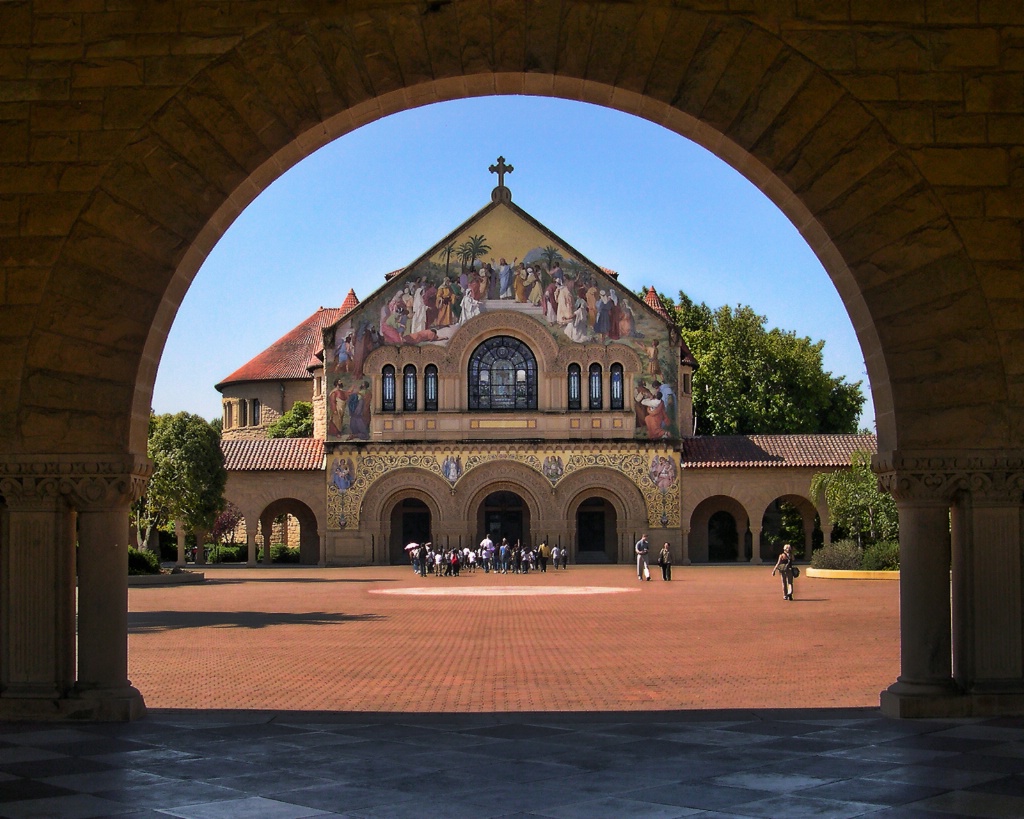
(940, 476)
(83, 482)
(653, 471)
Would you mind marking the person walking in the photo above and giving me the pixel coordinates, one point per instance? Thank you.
(543, 553)
(641, 548)
(487, 550)
(556, 555)
(665, 561)
(784, 566)
(421, 554)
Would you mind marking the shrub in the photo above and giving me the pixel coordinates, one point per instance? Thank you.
(884, 556)
(844, 554)
(279, 553)
(230, 553)
(142, 562)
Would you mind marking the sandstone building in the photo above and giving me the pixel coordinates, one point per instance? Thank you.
(131, 135)
(502, 383)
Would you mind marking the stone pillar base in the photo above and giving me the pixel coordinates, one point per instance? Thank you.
(947, 703)
(124, 705)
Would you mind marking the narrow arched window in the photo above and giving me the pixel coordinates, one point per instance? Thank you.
(430, 388)
(596, 393)
(409, 388)
(255, 412)
(502, 376)
(228, 416)
(617, 387)
(575, 387)
(243, 413)
(387, 389)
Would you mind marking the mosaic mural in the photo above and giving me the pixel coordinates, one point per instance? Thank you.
(351, 475)
(501, 261)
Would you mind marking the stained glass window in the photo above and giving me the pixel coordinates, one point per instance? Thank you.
(618, 396)
(387, 389)
(596, 393)
(430, 388)
(409, 388)
(574, 387)
(502, 376)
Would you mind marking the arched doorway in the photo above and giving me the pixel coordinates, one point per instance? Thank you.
(281, 540)
(595, 532)
(723, 538)
(410, 523)
(506, 515)
(794, 520)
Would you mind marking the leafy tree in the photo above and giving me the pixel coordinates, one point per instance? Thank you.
(188, 475)
(551, 255)
(296, 423)
(856, 505)
(755, 380)
(226, 523)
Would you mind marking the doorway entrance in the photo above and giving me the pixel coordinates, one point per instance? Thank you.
(595, 532)
(505, 515)
(410, 522)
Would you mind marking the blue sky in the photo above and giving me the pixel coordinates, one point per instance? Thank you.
(626, 193)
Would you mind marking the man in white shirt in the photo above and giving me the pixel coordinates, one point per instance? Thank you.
(487, 551)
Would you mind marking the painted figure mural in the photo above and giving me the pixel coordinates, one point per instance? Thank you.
(500, 261)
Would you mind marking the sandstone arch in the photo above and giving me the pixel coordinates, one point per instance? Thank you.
(891, 145)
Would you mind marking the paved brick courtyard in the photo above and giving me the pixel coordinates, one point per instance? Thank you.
(586, 639)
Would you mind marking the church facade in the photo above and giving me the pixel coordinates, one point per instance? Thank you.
(504, 384)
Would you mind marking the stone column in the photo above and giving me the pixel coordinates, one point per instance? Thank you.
(925, 685)
(755, 544)
(37, 594)
(179, 532)
(267, 527)
(323, 551)
(103, 502)
(686, 546)
(808, 539)
(988, 538)
(250, 542)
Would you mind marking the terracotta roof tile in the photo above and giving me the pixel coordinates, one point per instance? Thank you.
(288, 357)
(773, 450)
(655, 303)
(273, 454)
(351, 302)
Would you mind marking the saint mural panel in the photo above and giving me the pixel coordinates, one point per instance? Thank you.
(501, 260)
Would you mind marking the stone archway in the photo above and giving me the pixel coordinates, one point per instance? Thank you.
(309, 535)
(120, 185)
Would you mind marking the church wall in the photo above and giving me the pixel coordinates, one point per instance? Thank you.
(275, 398)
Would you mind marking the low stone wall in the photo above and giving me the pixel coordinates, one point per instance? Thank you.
(844, 574)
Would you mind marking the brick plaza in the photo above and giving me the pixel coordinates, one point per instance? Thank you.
(585, 639)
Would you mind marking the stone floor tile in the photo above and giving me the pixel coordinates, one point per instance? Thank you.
(339, 798)
(771, 781)
(872, 791)
(76, 806)
(253, 807)
(112, 779)
(616, 808)
(801, 807)
(699, 796)
(970, 803)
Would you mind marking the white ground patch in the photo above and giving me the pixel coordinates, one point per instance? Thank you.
(505, 591)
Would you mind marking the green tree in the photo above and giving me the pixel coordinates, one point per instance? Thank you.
(188, 475)
(296, 423)
(550, 255)
(755, 380)
(856, 505)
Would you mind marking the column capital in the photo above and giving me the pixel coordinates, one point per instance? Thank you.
(85, 482)
(939, 475)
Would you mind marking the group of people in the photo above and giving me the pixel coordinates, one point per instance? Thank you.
(501, 558)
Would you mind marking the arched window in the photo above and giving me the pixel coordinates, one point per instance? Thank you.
(617, 387)
(596, 393)
(575, 391)
(228, 416)
(502, 376)
(387, 389)
(243, 413)
(255, 412)
(430, 388)
(409, 388)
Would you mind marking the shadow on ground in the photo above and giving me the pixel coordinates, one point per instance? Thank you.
(152, 622)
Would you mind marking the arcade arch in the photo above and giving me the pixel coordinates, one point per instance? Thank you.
(309, 534)
(888, 205)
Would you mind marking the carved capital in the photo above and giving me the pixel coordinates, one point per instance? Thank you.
(939, 476)
(82, 481)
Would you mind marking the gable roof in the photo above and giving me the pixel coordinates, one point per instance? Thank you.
(289, 356)
(439, 246)
(828, 450)
(273, 455)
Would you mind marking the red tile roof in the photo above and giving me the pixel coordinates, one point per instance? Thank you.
(773, 450)
(655, 303)
(273, 454)
(288, 357)
(350, 303)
